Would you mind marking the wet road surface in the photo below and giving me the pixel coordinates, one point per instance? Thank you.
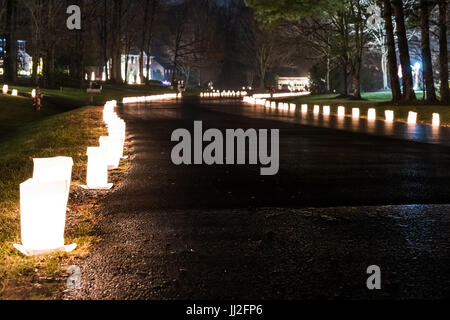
(342, 201)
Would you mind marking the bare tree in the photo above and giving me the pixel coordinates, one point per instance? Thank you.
(264, 47)
(392, 56)
(151, 8)
(426, 52)
(443, 52)
(10, 61)
(408, 86)
(116, 42)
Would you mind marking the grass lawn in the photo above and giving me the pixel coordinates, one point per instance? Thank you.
(109, 92)
(26, 134)
(66, 134)
(381, 101)
(16, 112)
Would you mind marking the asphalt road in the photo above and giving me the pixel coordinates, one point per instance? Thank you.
(342, 201)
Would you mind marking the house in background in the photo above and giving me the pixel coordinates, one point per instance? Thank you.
(158, 71)
(25, 62)
(294, 83)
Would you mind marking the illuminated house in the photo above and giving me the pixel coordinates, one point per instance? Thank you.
(293, 83)
(157, 70)
(24, 60)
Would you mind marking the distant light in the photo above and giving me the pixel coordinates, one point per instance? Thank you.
(292, 107)
(341, 111)
(356, 113)
(304, 108)
(389, 115)
(104, 76)
(5, 89)
(326, 110)
(93, 76)
(412, 117)
(33, 93)
(372, 114)
(436, 120)
(14, 92)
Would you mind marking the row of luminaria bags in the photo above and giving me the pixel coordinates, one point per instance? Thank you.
(44, 197)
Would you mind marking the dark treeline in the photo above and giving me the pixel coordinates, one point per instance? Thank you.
(344, 39)
(345, 46)
(189, 37)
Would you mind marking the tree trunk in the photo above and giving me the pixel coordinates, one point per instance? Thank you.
(155, 7)
(328, 73)
(149, 71)
(344, 65)
(356, 74)
(117, 42)
(11, 42)
(143, 42)
(443, 53)
(408, 85)
(392, 56)
(104, 38)
(175, 65)
(179, 37)
(384, 67)
(80, 58)
(426, 52)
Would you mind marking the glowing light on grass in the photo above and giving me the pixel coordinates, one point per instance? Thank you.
(316, 109)
(436, 120)
(97, 170)
(326, 110)
(5, 89)
(14, 93)
(372, 114)
(389, 115)
(113, 148)
(356, 113)
(42, 217)
(33, 93)
(161, 97)
(341, 111)
(43, 205)
(304, 108)
(412, 117)
(54, 169)
(117, 129)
